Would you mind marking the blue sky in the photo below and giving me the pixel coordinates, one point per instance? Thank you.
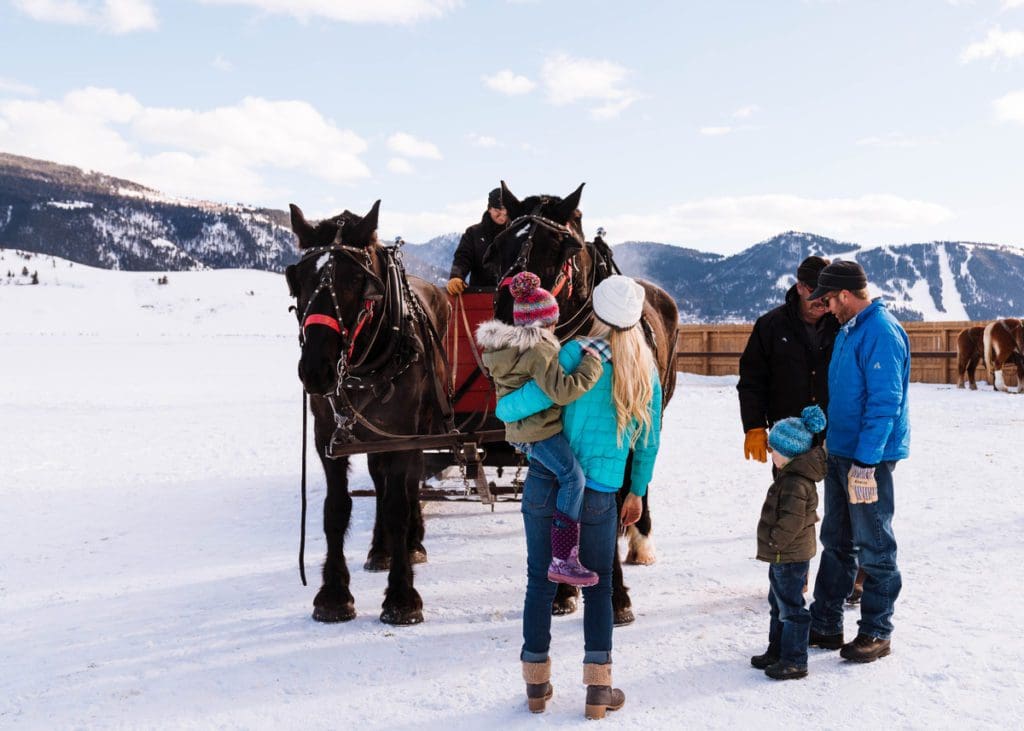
(706, 124)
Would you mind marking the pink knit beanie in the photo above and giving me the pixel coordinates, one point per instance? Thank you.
(534, 306)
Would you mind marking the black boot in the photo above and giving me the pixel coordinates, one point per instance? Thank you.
(770, 656)
(825, 642)
(865, 648)
(784, 671)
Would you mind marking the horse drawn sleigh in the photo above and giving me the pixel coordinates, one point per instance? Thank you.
(391, 370)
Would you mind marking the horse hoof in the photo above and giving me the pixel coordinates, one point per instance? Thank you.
(562, 607)
(418, 555)
(344, 613)
(624, 617)
(376, 564)
(401, 617)
(639, 558)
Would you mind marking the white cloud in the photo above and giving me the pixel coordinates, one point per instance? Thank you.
(746, 112)
(715, 131)
(111, 16)
(482, 140)
(736, 222)
(508, 82)
(568, 80)
(409, 146)
(352, 11)
(226, 153)
(1008, 44)
(10, 86)
(222, 64)
(400, 166)
(422, 226)
(1010, 108)
(1010, 4)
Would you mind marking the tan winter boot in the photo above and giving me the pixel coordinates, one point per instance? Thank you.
(601, 696)
(538, 688)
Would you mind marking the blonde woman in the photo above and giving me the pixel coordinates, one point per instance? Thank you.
(622, 412)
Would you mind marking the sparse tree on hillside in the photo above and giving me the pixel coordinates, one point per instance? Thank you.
(24, 271)
(35, 277)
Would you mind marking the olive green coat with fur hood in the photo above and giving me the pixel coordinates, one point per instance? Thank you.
(786, 531)
(514, 355)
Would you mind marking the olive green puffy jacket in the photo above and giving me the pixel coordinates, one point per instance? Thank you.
(514, 355)
(786, 531)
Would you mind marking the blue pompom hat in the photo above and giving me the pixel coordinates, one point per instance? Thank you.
(795, 435)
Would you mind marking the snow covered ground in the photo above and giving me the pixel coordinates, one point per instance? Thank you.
(150, 435)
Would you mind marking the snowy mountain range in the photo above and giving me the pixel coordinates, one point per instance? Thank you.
(94, 219)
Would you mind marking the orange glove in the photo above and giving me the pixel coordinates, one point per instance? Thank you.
(756, 444)
(456, 286)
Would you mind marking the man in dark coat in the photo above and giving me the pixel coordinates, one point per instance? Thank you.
(785, 364)
(469, 256)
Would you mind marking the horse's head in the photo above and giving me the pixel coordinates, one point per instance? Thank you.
(335, 278)
(543, 236)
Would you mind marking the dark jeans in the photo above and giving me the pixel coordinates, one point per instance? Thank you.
(851, 534)
(598, 521)
(557, 456)
(790, 625)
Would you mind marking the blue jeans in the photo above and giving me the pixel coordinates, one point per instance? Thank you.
(852, 534)
(790, 626)
(557, 456)
(598, 521)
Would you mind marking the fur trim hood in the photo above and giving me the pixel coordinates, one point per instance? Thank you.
(497, 335)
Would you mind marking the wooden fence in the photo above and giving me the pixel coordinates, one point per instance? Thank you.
(714, 350)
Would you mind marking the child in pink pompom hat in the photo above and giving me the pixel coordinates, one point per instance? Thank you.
(528, 350)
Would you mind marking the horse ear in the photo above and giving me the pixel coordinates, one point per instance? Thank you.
(364, 230)
(512, 204)
(291, 277)
(566, 210)
(300, 226)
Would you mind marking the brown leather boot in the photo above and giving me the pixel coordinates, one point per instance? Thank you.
(538, 688)
(601, 696)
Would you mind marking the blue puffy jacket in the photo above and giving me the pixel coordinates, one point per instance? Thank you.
(868, 383)
(589, 423)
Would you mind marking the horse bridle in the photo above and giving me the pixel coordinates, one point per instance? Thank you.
(565, 275)
(374, 291)
(537, 221)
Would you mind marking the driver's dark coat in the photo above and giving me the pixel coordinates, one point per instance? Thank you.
(468, 261)
(780, 372)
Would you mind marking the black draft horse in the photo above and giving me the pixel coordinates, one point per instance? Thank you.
(369, 367)
(545, 236)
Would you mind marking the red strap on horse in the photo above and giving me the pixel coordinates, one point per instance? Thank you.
(564, 276)
(322, 320)
(364, 317)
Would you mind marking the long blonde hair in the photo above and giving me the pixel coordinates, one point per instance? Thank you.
(633, 371)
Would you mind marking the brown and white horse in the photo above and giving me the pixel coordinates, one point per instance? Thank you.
(969, 352)
(1004, 343)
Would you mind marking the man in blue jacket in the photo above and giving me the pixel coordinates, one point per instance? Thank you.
(868, 432)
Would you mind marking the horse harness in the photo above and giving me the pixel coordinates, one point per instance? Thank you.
(408, 335)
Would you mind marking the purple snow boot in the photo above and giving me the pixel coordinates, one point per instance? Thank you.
(565, 565)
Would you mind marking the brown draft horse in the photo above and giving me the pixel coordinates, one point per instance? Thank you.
(969, 352)
(545, 237)
(368, 366)
(1004, 343)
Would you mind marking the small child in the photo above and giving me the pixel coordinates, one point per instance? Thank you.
(529, 351)
(785, 539)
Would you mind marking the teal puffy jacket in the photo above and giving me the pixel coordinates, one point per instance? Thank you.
(589, 423)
